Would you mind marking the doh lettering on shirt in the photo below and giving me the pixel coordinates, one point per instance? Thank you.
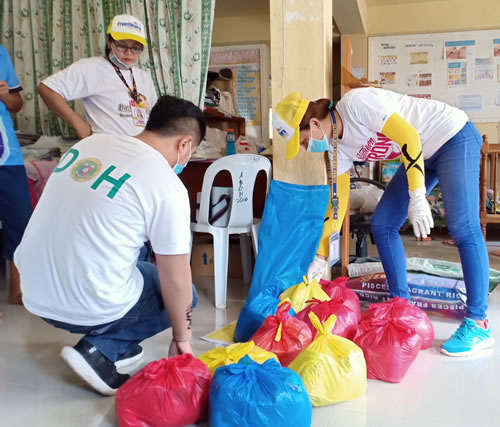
(380, 149)
(90, 168)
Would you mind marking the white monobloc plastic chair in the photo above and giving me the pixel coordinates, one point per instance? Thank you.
(243, 169)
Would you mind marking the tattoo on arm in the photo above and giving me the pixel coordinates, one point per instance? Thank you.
(189, 315)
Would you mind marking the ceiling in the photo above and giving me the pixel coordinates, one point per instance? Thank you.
(227, 8)
(396, 2)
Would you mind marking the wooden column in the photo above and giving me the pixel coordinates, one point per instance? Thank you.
(301, 60)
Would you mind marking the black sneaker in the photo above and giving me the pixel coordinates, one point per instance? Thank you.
(131, 357)
(93, 367)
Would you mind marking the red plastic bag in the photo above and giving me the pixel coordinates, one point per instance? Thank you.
(389, 348)
(165, 393)
(347, 321)
(283, 335)
(337, 291)
(407, 314)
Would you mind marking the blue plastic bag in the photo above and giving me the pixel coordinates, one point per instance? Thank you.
(289, 234)
(252, 394)
(255, 311)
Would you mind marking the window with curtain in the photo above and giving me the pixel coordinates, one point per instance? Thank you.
(45, 36)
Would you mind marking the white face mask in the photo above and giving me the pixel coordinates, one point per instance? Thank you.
(121, 65)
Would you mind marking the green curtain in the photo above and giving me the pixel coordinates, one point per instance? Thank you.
(45, 36)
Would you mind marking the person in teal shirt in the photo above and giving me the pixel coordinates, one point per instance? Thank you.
(15, 201)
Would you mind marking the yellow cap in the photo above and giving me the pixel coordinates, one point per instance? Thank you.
(126, 27)
(286, 120)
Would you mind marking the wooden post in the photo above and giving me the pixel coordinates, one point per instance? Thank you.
(483, 181)
(301, 42)
(346, 225)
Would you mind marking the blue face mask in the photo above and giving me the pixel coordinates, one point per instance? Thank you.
(178, 168)
(318, 145)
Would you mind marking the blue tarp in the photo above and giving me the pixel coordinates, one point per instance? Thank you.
(255, 311)
(289, 234)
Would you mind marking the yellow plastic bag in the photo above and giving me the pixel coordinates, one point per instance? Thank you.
(332, 368)
(221, 356)
(302, 292)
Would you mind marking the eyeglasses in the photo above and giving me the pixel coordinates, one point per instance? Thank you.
(122, 48)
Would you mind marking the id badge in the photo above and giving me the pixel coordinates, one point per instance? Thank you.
(139, 115)
(334, 253)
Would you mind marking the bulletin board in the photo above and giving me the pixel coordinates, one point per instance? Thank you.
(250, 84)
(459, 68)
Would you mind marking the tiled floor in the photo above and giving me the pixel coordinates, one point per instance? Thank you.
(37, 389)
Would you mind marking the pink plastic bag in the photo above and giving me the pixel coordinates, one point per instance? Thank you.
(347, 321)
(407, 314)
(283, 335)
(166, 393)
(337, 291)
(389, 348)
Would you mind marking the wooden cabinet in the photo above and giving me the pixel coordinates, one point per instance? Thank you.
(223, 121)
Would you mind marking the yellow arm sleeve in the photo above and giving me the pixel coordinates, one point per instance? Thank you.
(408, 138)
(328, 227)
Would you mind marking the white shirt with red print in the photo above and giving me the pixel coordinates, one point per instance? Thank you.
(365, 111)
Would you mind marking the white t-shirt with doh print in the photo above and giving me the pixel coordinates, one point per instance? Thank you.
(107, 196)
(105, 98)
(365, 111)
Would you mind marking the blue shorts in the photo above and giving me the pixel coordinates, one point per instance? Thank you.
(15, 206)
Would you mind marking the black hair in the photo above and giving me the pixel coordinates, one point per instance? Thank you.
(173, 116)
(107, 49)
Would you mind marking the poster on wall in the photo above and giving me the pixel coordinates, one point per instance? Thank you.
(248, 86)
(419, 79)
(419, 57)
(421, 95)
(496, 47)
(461, 49)
(484, 69)
(497, 98)
(457, 74)
(470, 101)
(388, 78)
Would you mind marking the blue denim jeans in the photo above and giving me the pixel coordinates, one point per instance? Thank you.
(15, 207)
(144, 320)
(456, 167)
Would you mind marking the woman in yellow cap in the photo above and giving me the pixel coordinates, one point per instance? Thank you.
(436, 143)
(116, 94)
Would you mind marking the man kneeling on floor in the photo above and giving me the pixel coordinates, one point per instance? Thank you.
(79, 259)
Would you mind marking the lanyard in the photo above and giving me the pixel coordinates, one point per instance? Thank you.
(331, 166)
(132, 92)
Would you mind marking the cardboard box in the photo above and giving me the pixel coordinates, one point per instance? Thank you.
(202, 258)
